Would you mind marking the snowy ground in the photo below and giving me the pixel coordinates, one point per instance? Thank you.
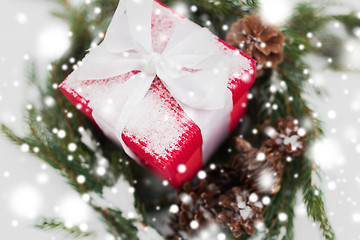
(29, 188)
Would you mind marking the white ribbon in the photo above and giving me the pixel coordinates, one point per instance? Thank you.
(198, 81)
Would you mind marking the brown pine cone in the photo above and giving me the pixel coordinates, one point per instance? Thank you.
(289, 138)
(200, 200)
(233, 209)
(195, 200)
(258, 39)
(260, 170)
(236, 212)
(192, 206)
(226, 194)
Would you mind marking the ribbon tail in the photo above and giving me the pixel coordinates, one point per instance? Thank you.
(117, 35)
(139, 13)
(141, 85)
(131, 18)
(101, 64)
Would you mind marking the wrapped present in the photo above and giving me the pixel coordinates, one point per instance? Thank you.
(165, 89)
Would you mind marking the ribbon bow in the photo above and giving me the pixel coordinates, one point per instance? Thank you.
(196, 80)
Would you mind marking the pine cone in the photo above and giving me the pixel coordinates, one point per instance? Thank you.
(224, 195)
(289, 138)
(236, 212)
(260, 170)
(194, 195)
(257, 39)
(192, 205)
(205, 201)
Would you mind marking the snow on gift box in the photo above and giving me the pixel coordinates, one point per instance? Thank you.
(165, 89)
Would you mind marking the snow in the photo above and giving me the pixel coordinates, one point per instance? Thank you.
(87, 138)
(72, 147)
(26, 201)
(253, 197)
(201, 174)
(241, 203)
(331, 114)
(328, 153)
(147, 233)
(73, 209)
(61, 133)
(174, 209)
(25, 147)
(282, 233)
(261, 156)
(356, 217)
(293, 141)
(282, 217)
(53, 42)
(275, 11)
(194, 224)
(211, 231)
(80, 179)
(267, 180)
(158, 125)
(331, 185)
(258, 204)
(266, 200)
(246, 212)
(120, 199)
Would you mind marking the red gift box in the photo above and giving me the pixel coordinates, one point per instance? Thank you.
(165, 139)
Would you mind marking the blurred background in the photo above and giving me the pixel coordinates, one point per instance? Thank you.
(30, 189)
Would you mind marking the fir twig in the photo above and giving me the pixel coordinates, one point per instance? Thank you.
(50, 224)
(313, 199)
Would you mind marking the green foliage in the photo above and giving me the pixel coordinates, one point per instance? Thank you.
(289, 75)
(307, 18)
(44, 121)
(119, 226)
(313, 199)
(56, 224)
(350, 21)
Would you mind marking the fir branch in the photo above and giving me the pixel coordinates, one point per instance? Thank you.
(54, 152)
(51, 151)
(65, 3)
(307, 19)
(284, 201)
(60, 103)
(66, 10)
(350, 21)
(313, 199)
(61, 15)
(50, 224)
(11, 136)
(118, 225)
(32, 74)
